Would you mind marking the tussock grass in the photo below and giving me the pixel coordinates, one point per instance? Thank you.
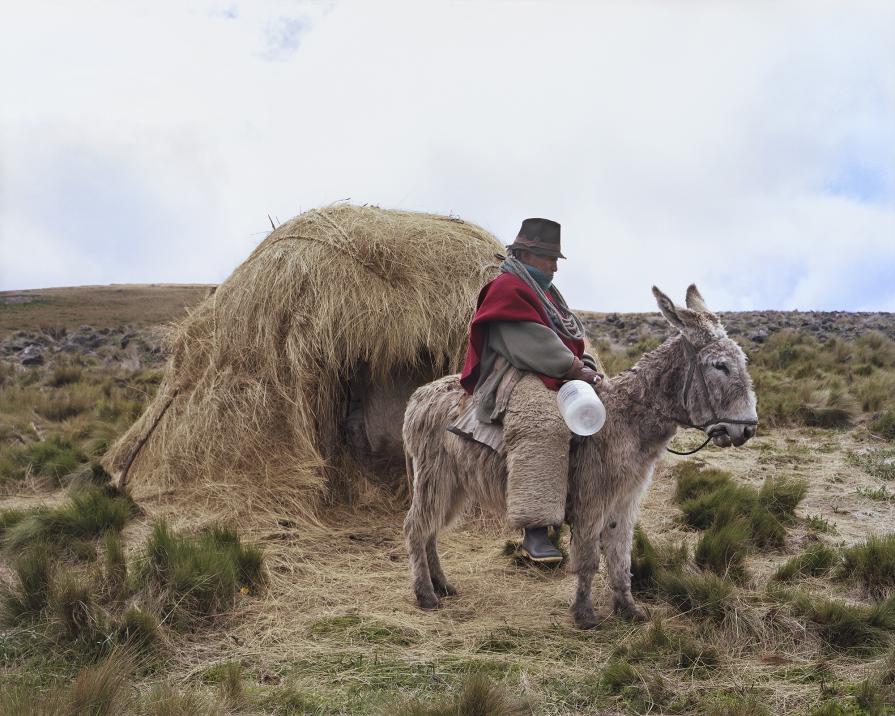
(138, 629)
(841, 626)
(735, 517)
(230, 687)
(72, 603)
(657, 644)
(816, 561)
(164, 700)
(647, 560)
(100, 690)
(703, 595)
(478, 697)
(884, 425)
(66, 403)
(89, 513)
(194, 577)
(29, 593)
(65, 374)
(722, 549)
(53, 459)
(872, 565)
(114, 566)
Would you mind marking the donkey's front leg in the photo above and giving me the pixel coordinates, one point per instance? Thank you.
(585, 562)
(615, 541)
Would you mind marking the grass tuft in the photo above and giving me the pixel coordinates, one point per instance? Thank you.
(704, 595)
(844, 626)
(90, 512)
(478, 697)
(872, 564)
(722, 549)
(884, 425)
(72, 603)
(30, 592)
(816, 561)
(138, 629)
(99, 690)
(197, 577)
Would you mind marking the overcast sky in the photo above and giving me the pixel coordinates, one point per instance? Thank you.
(746, 146)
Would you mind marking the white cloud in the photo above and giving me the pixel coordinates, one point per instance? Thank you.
(675, 143)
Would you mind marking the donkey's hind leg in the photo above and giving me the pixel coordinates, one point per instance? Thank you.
(615, 540)
(416, 535)
(439, 582)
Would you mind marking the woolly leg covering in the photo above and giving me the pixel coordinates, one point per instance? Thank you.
(537, 441)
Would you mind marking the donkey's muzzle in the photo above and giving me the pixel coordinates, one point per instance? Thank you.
(727, 434)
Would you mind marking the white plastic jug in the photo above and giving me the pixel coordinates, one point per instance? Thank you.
(581, 407)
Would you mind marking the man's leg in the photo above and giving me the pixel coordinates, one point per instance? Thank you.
(537, 441)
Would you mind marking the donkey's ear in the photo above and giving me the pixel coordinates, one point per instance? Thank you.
(695, 302)
(669, 310)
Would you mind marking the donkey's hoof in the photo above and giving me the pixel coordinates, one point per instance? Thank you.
(427, 601)
(445, 590)
(630, 612)
(587, 619)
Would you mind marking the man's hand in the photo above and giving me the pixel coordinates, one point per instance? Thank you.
(579, 371)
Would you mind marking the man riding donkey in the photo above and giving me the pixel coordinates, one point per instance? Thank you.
(524, 343)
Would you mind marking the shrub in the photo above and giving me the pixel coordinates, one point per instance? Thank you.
(30, 593)
(884, 425)
(815, 561)
(198, 576)
(722, 549)
(872, 564)
(89, 513)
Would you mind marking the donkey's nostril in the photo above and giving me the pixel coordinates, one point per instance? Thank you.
(748, 432)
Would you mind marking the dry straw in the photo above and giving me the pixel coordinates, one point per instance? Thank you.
(249, 412)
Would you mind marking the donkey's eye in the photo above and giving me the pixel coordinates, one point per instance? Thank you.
(722, 367)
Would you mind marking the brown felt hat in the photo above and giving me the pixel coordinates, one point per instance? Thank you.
(540, 236)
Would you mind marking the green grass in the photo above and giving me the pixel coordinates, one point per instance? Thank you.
(722, 549)
(703, 595)
(734, 517)
(816, 561)
(196, 577)
(89, 513)
(478, 696)
(842, 626)
(29, 593)
(52, 458)
(354, 629)
(872, 565)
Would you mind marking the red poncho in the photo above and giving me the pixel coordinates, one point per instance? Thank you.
(507, 298)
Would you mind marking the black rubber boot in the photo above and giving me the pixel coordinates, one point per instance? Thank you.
(537, 546)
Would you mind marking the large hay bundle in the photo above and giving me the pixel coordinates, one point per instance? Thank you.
(301, 361)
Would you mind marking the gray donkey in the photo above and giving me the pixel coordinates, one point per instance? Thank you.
(698, 379)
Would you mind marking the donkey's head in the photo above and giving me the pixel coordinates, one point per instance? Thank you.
(716, 390)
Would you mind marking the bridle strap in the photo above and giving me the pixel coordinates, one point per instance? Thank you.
(692, 369)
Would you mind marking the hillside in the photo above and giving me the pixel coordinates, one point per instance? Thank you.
(766, 591)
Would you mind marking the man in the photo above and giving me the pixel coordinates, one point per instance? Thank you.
(524, 343)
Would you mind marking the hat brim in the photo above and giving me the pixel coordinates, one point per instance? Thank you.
(537, 251)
